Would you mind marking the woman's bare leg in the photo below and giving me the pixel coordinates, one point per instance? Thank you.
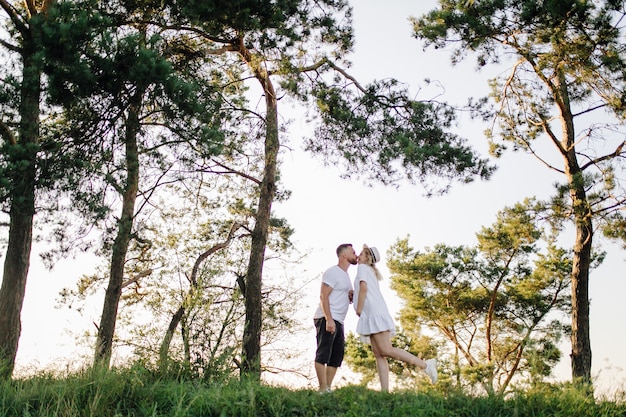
(382, 341)
(382, 366)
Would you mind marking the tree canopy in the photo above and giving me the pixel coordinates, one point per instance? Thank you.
(496, 307)
(563, 95)
(106, 104)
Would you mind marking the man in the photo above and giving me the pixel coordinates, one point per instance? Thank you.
(335, 298)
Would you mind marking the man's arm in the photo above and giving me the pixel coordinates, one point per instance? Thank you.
(324, 294)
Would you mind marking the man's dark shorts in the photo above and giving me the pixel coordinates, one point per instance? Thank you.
(330, 346)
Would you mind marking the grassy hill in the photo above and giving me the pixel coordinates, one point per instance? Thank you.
(138, 393)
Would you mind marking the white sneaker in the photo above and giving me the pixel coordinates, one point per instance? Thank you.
(431, 370)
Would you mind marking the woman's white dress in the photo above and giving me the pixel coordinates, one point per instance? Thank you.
(375, 317)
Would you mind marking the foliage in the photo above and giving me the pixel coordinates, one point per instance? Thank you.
(138, 392)
(168, 272)
(375, 130)
(564, 97)
(100, 73)
(497, 305)
(379, 133)
(261, 37)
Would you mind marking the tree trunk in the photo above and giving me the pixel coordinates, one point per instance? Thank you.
(167, 339)
(108, 319)
(581, 343)
(193, 288)
(583, 223)
(251, 352)
(23, 157)
(13, 288)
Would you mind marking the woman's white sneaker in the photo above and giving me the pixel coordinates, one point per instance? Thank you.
(431, 370)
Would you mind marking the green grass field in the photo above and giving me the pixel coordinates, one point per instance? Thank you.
(133, 392)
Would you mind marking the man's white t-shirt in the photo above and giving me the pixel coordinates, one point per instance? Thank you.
(338, 299)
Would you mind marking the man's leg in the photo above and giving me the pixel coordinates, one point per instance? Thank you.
(336, 356)
(325, 342)
(330, 375)
(322, 378)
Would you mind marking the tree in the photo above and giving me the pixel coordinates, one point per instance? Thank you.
(297, 47)
(20, 99)
(565, 88)
(148, 97)
(497, 304)
(206, 305)
(271, 43)
(267, 38)
(191, 294)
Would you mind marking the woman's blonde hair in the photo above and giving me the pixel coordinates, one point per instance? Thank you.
(370, 262)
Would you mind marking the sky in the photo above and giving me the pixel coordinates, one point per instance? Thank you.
(326, 210)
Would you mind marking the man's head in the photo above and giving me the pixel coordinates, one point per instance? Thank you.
(346, 254)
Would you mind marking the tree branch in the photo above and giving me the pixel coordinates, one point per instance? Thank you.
(137, 277)
(9, 46)
(14, 16)
(6, 133)
(539, 158)
(617, 152)
(345, 74)
(590, 110)
(229, 170)
(194, 271)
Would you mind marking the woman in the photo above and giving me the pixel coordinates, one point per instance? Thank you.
(375, 324)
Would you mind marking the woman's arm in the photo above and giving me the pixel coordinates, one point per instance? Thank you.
(361, 300)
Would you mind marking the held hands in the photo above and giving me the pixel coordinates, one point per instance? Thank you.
(351, 298)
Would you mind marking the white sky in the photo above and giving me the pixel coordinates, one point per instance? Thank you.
(326, 210)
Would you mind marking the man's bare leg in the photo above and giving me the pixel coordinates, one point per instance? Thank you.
(320, 370)
(330, 375)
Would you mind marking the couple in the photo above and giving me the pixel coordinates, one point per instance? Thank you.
(375, 324)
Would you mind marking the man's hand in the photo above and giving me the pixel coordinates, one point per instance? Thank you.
(330, 326)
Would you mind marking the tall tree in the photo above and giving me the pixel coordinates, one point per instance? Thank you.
(146, 98)
(566, 88)
(267, 37)
(498, 305)
(297, 47)
(20, 140)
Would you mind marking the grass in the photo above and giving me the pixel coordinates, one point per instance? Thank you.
(136, 392)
